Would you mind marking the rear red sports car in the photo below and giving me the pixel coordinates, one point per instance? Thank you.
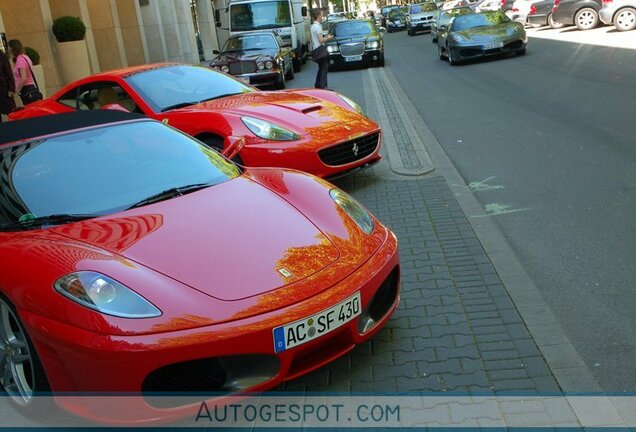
(316, 131)
(136, 260)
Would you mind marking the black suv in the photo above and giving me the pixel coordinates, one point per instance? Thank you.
(581, 13)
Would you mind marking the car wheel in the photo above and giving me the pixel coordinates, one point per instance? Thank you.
(290, 74)
(439, 51)
(553, 24)
(625, 19)
(586, 19)
(449, 54)
(381, 61)
(21, 373)
(296, 64)
(216, 143)
(280, 85)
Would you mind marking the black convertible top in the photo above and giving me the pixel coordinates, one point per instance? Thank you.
(27, 129)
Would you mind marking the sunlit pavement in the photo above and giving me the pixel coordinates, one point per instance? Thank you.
(604, 36)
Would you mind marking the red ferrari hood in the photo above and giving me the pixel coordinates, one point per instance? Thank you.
(231, 241)
(296, 109)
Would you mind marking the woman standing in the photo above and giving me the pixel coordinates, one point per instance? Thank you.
(7, 86)
(23, 73)
(319, 52)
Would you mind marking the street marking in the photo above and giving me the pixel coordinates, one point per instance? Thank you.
(496, 209)
(481, 186)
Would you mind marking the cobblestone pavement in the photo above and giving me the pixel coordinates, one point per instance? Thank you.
(456, 328)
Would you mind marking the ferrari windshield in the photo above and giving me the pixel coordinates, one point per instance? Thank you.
(250, 43)
(101, 171)
(352, 28)
(467, 22)
(174, 87)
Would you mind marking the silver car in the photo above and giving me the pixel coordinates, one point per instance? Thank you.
(621, 13)
(420, 17)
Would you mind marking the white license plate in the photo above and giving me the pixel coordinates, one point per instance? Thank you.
(353, 58)
(493, 45)
(308, 329)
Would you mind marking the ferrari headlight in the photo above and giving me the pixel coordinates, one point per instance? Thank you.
(260, 65)
(225, 69)
(357, 108)
(354, 209)
(269, 131)
(373, 45)
(103, 294)
(269, 64)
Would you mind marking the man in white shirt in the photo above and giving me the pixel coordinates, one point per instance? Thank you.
(319, 52)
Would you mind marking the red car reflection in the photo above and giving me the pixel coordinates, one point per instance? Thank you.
(316, 131)
(136, 260)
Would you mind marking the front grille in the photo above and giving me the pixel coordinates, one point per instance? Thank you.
(242, 67)
(350, 151)
(352, 49)
(469, 52)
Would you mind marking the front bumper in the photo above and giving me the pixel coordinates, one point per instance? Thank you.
(400, 26)
(469, 51)
(261, 78)
(78, 361)
(368, 57)
(421, 26)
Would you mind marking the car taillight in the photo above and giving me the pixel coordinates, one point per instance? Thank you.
(556, 5)
(502, 3)
(608, 1)
(533, 10)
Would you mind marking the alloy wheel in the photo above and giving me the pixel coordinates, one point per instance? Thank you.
(17, 374)
(586, 19)
(625, 19)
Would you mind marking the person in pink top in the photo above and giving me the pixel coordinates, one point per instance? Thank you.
(22, 71)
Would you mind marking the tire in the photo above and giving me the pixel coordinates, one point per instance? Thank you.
(586, 19)
(439, 51)
(410, 32)
(296, 64)
(553, 24)
(27, 377)
(280, 85)
(216, 143)
(449, 54)
(625, 19)
(290, 74)
(381, 61)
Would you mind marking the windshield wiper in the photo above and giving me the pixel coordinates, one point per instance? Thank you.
(55, 219)
(218, 97)
(179, 105)
(170, 193)
(185, 104)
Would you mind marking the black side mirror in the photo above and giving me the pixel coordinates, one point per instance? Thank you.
(303, 11)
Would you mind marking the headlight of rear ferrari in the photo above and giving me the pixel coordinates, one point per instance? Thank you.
(225, 69)
(103, 294)
(357, 108)
(354, 209)
(269, 131)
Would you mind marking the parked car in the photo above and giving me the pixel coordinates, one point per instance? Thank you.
(396, 20)
(133, 254)
(420, 17)
(504, 6)
(540, 14)
(261, 59)
(316, 131)
(621, 13)
(356, 42)
(480, 35)
(445, 17)
(581, 13)
(521, 9)
(385, 13)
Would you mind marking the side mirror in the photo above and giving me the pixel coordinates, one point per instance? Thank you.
(303, 11)
(233, 146)
(216, 52)
(114, 107)
(442, 28)
(382, 29)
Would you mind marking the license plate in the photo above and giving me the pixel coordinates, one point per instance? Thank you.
(353, 58)
(493, 45)
(308, 329)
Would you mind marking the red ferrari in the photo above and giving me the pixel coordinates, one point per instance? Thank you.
(137, 260)
(316, 131)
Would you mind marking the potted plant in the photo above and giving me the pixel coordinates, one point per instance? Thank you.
(71, 48)
(38, 70)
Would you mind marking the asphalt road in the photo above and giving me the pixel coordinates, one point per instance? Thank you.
(547, 141)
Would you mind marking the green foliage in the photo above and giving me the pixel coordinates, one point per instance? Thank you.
(68, 28)
(33, 55)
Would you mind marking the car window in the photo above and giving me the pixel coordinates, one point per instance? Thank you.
(69, 99)
(351, 28)
(424, 7)
(94, 96)
(250, 42)
(466, 22)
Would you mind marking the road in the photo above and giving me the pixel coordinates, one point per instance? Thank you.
(547, 143)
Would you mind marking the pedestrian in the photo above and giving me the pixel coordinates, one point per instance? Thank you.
(25, 84)
(319, 52)
(7, 86)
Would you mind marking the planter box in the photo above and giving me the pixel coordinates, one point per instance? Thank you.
(73, 60)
